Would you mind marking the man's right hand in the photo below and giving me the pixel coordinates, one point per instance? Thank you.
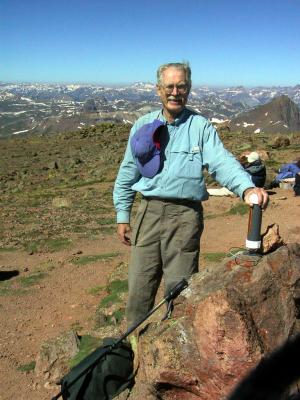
(124, 229)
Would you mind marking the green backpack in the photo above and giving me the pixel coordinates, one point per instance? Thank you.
(103, 375)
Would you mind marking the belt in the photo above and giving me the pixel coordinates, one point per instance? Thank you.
(171, 200)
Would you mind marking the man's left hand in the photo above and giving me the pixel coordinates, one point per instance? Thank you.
(262, 195)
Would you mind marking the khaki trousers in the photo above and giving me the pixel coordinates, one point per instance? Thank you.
(165, 242)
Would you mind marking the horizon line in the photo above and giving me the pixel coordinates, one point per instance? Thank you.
(118, 84)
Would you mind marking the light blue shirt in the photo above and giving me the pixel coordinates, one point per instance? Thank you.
(188, 145)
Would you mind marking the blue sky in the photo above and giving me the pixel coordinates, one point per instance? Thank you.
(227, 42)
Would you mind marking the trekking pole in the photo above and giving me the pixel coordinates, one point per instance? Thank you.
(173, 293)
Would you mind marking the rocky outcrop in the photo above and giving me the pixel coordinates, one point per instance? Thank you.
(230, 316)
(52, 360)
(271, 239)
(280, 141)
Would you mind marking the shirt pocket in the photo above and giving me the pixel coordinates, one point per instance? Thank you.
(186, 162)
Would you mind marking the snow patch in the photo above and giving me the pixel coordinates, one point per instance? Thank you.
(12, 112)
(217, 120)
(16, 133)
(126, 121)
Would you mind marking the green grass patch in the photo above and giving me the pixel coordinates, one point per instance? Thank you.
(31, 247)
(87, 236)
(106, 221)
(77, 229)
(114, 289)
(239, 209)
(211, 216)
(7, 249)
(57, 244)
(294, 147)
(48, 245)
(119, 315)
(243, 147)
(34, 201)
(118, 286)
(32, 279)
(235, 250)
(80, 184)
(80, 222)
(214, 257)
(41, 197)
(96, 290)
(93, 258)
(110, 299)
(47, 266)
(42, 193)
(26, 218)
(108, 230)
(87, 345)
(6, 289)
(273, 164)
(27, 367)
(94, 231)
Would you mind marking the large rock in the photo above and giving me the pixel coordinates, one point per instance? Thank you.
(271, 239)
(52, 360)
(225, 321)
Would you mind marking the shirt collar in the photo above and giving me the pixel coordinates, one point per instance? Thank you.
(178, 120)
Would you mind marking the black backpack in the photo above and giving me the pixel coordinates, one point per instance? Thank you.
(112, 372)
(109, 370)
(296, 186)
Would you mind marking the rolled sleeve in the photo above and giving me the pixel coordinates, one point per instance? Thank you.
(123, 195)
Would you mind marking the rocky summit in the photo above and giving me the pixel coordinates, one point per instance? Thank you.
(231, 315)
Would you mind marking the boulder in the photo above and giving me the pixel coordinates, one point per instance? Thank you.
(271, 239)
(229, 317)
(52, 360)
(281, 141)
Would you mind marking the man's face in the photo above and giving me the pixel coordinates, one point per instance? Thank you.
(173, 91)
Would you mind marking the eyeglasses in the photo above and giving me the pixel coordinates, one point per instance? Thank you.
(182, 88)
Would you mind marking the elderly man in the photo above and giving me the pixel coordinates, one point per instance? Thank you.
(164, 161)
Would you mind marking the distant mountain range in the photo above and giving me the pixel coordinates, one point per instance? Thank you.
(279, 115)
(46, 108)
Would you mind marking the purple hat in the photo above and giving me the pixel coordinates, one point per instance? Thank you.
(146, 148)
